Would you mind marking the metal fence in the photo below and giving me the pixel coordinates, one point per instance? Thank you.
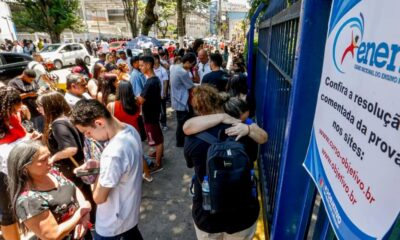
(285, 89)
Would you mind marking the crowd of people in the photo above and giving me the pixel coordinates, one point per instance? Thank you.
(72, 161)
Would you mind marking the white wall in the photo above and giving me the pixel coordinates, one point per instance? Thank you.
(5, 31)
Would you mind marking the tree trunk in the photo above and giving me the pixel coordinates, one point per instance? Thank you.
(55, 37)
(180, 26)
(130, 8)
(135, 14)
(149, 17)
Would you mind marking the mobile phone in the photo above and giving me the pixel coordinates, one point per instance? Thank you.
(91, 171)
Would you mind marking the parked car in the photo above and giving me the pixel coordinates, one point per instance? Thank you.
(63, 54)
(117, 46)
(166, 42)
(12, 65)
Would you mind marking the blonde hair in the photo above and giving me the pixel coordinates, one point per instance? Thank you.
(206, 100)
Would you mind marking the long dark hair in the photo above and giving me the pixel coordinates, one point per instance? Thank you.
(235, 107)
(237, 85)
(9, 97)
(20, 156)
(54, 106)
(82, 64)
(127, 97)
(107, 86)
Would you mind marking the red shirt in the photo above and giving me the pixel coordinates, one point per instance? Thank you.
(16, 130)
(123, 116)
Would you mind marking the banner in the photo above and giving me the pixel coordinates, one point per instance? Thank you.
(354, 153)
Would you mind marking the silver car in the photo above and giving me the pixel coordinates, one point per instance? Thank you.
(63, 54)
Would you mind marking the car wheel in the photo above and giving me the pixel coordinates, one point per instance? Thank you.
(58, 64)
(87, 60)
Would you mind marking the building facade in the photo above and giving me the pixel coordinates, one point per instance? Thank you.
(197, 25)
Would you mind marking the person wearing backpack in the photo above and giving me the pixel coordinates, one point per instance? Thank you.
(228, 165)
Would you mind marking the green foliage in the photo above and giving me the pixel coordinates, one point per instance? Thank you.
(253, 7)
(51, 16)
(192, 5)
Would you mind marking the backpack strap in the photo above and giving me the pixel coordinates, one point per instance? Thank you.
(207, 137)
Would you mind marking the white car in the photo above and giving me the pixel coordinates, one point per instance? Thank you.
(62, 54)
(166, 42)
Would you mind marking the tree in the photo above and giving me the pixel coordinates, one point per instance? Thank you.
(149, 17)
(131, 12)
(189, 6)
(180, 26)
(166, 9)
(51, 16)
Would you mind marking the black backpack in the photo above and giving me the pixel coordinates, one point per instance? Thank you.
(229, 172)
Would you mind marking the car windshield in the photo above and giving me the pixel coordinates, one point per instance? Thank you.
(50, 48)
(163, 42)
(115, 44)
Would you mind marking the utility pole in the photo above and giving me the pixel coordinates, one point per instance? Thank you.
(98, 25)
(84, 18)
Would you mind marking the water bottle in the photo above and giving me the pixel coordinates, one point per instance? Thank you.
(253, 181)
(205, 187)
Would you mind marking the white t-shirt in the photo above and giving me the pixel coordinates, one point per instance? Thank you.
(162, 74)
(120, 169)
(104, 47)
(38, 68)
(72, 99)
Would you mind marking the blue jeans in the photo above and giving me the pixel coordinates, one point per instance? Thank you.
(132, 234)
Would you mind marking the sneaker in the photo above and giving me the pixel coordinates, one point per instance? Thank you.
(165, 128)
(156, 169)
(148, 179)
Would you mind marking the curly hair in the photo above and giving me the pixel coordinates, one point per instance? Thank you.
(206, 100)
(9, 97)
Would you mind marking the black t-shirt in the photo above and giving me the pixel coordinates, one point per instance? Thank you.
(218, 79)
(195, 151)
(64, 135)
(152, 105)
(25, 87)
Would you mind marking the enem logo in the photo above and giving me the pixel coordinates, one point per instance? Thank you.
(351, 32)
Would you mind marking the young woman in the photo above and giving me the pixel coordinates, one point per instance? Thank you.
(11, 130)
(81, 68)
(44, 201)
(126, 109)
(93, 83)
(237, 86)
(107, 88)
(233, 111)
(123, 71)
(63, 140)
(241, 221)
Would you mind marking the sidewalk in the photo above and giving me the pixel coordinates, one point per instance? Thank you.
(166, 204)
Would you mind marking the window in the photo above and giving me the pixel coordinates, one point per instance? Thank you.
(76, 47)
(10, 58)
(67, 48)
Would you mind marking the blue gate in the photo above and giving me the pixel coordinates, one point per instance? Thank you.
(291, 43)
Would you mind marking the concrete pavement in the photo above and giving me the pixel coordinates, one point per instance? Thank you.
(166, 204)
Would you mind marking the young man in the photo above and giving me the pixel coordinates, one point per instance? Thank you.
(118, 188)
(29, 89)
(181, 84)
(217, 78)
(137, 79)
(76, 89)
(162, 74)
(150, 99)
